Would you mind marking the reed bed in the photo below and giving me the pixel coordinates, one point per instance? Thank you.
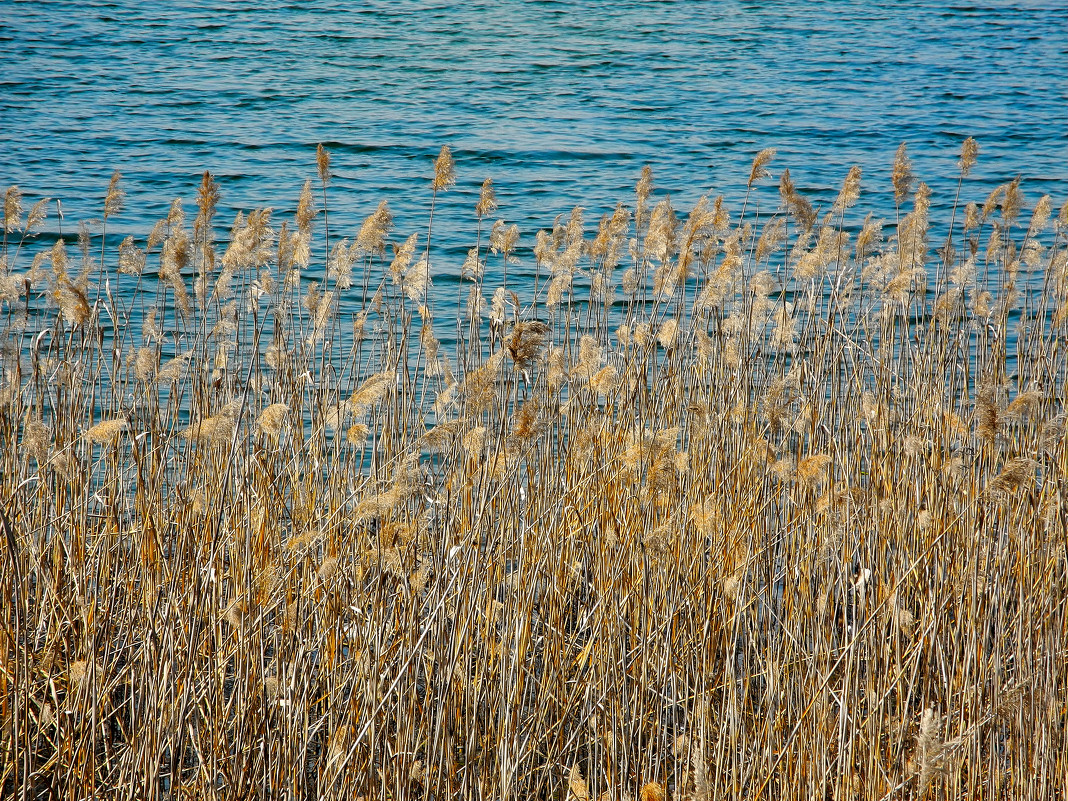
(717, 505)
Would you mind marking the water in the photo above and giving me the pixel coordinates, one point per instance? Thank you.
(560, 102)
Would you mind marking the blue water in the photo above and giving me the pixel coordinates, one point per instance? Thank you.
(560, 102)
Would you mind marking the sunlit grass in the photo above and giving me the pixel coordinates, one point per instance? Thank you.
(723, 506)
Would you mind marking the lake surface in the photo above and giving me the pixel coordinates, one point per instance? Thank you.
(560, 102)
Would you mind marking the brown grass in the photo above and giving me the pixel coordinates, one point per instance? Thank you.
(725, 508)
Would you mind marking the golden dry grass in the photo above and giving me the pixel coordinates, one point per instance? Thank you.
(730, 507)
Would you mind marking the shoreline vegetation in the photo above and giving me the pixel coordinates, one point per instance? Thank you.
(722, 506)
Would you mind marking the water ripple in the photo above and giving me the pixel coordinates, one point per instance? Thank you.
(560, 102)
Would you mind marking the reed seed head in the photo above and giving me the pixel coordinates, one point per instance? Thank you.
(487, 200)
(322, 163)
(525, 342)
(969, 153)
(106, 432)
(759, 169)
(1012, 202)
(306, 210)
(375, 229)
(850, 192)
(132, 259)
(901, 177)
(12, 210)
(115, 197)
(38, 214)
(271, 421)
(444, 171)
(37, 440)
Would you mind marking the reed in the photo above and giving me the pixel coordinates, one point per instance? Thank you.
(754, 506)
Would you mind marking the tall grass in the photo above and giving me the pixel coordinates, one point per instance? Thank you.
(730, 506)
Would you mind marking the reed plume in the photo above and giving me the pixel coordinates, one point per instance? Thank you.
(901, 177)
(759, 169)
